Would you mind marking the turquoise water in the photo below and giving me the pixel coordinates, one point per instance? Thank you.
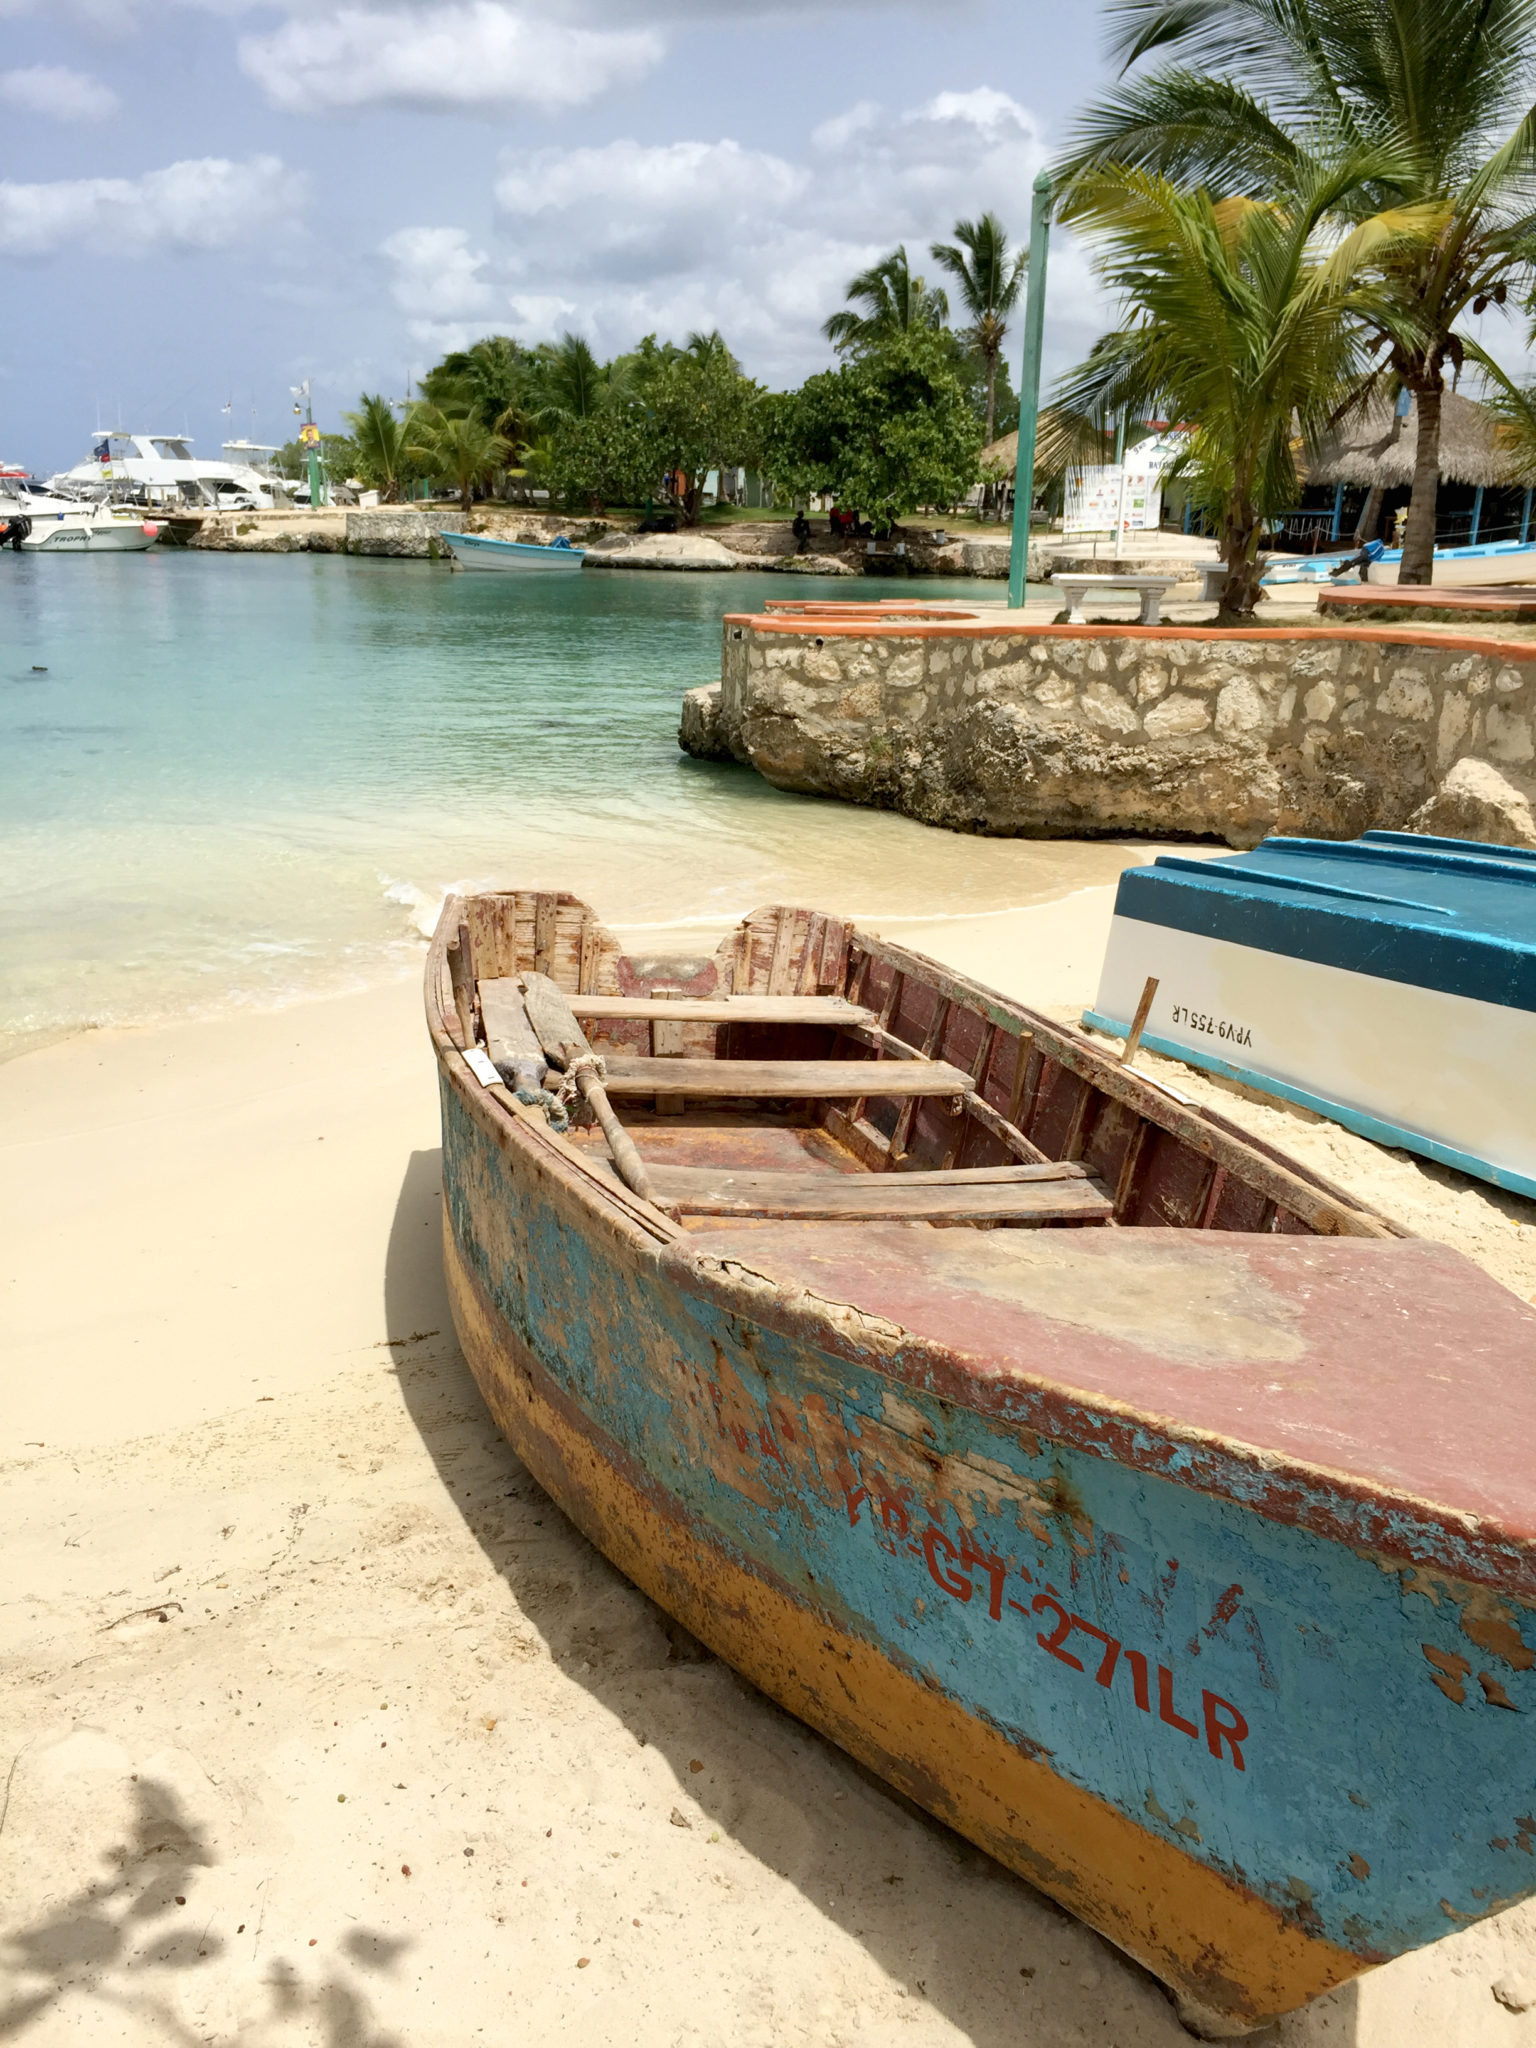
(230, 780)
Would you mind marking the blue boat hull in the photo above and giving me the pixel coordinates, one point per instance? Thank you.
(1256, 1720)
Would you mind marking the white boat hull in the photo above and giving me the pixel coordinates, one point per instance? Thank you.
(77, 534)
(481, 551)
(1467, 568)
(1436, 1073)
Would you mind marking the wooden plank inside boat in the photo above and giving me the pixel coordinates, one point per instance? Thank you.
(830, 1010)
(999, 1197)
(775, 1080)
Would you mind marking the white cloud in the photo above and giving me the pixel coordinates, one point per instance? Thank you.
(628, 237)
(203, 203)
(440, 285)
(55, 91)
(463, 55)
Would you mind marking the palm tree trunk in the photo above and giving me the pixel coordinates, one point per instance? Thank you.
(1419, 534)
(1240, 551)
(991, 395)
(1370, 517)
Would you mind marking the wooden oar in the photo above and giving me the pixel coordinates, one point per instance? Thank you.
(565, 1046)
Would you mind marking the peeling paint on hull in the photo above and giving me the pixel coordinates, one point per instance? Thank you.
(1257, 1759)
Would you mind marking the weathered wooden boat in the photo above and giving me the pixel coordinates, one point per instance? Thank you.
(1388, 982)
(1155, 1514)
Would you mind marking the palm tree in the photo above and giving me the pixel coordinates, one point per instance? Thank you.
(989, 280)
(1244, 316)
(895, 300)
(569, 381)
(491, 378)
(380, 439)
(1444, 86)
(456, 445)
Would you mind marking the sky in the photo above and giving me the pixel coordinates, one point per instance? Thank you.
(203, 202)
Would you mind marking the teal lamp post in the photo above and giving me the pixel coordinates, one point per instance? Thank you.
(1029, 387)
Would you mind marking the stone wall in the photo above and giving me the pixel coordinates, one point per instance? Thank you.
(401, 530)
(1102, 730)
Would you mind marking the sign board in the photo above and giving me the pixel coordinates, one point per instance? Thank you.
(1126, 497)
(309, 435)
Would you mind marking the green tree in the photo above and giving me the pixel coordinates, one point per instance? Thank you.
(894, 302)
(889, 431)
(459, 447)
(1241, 315)
(703, 411)
(988, 277)
(569, 383)
(613, 456)
(494, 379)
(1441, 90)
(380, 441)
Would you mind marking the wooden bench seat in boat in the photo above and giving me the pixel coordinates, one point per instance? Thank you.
(774, 1080)
(830, 1010)
(992, 1194)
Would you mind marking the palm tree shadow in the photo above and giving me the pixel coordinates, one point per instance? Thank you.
(114, 1940)
(1005, 1965)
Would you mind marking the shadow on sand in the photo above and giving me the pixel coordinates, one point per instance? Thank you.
(1019, 1973)
(120, 1941)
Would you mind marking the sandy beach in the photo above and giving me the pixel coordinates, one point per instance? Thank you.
(321, 1725)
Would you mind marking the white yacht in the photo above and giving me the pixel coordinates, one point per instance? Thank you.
(38, 520)
(160, 470)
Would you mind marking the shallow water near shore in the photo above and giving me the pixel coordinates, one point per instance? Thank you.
(230, 781)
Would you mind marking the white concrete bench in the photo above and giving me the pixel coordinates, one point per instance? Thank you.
(1213, 581)
(1075, 587)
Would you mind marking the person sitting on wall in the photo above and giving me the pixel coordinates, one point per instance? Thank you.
(801, 528)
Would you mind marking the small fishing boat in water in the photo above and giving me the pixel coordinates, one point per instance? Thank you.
(1154, 1513)
(482, 551)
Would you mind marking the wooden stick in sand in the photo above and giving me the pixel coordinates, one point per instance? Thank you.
(1139, 1021)
(566, 1047)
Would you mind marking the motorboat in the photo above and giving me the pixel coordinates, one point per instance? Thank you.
(481, 551)
(99, 529)
(160, 470)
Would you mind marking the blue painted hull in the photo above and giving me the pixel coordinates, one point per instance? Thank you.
(1258, 1721)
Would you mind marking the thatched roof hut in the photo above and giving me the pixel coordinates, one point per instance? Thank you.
(1001, 457)
(1375, 449)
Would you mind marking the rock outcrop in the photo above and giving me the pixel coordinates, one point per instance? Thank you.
(694, 551)
(1097, 730)
(410, 531)
(1476, 802)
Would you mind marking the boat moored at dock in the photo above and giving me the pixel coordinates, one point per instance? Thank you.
(1146, 1508)
(484, 551)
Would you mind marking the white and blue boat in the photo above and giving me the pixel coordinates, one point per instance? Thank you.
(1493, 562)
(1388, 982)
(481, 551)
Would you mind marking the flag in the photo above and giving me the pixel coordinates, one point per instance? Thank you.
(103, 450)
